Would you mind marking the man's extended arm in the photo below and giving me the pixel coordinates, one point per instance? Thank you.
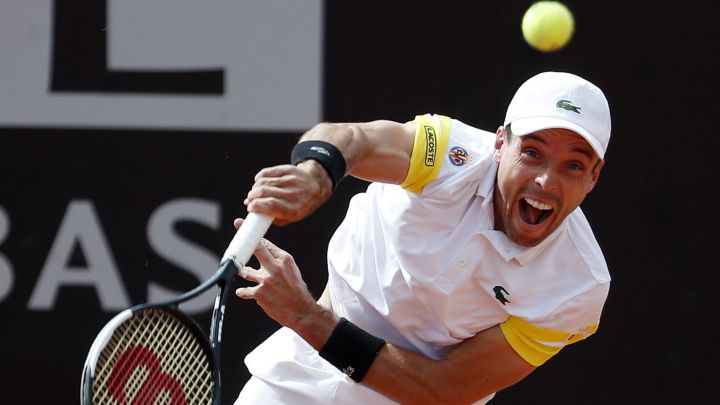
(373, 151)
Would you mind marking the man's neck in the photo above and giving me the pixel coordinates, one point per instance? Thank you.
(498, 204)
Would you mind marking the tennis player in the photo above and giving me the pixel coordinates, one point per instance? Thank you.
(465, 265)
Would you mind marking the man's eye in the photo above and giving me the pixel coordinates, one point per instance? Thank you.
(575, 166)
(531, 152)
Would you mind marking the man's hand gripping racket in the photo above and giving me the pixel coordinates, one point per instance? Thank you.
(154, 353)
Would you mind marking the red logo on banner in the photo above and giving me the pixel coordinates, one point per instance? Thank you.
(156, 382)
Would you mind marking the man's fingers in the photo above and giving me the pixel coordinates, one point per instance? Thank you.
(238, 222)
(247, 293)
(274, 251)
(263, 254)
(259, 191)
(274, 171)
(250, 274)
(270, 256)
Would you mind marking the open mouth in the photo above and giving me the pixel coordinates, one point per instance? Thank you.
(534, 212)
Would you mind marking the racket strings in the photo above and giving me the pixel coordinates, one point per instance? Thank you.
(153, 358)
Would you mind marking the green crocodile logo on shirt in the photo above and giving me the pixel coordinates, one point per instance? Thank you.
(568, 105)
(499, 294)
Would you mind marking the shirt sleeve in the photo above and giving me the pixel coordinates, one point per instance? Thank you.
(537, 342)
(431, 142)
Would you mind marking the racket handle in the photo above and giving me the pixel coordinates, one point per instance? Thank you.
(246, 239)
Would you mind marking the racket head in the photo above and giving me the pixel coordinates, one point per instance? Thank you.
(148, 355)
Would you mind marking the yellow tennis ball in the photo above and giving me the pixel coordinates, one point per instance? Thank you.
(548, 25)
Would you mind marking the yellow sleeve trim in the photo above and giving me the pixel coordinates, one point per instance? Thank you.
(431, 142)
(529, 340)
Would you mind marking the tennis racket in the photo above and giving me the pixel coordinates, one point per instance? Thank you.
(155, 354)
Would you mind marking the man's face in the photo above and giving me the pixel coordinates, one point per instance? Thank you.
(542, 177)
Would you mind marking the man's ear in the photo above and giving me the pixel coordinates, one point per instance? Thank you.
(596, 174)
(500, 136)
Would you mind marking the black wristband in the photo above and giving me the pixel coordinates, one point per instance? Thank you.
(324, 153)
(351, 349)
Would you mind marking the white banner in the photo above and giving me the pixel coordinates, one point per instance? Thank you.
(264, 58)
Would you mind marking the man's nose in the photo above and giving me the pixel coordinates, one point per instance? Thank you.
(546, 180)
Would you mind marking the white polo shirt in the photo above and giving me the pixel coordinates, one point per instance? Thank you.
(421, 266)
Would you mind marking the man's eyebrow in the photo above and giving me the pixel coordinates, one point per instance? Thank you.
(535, 137)
(587, 152)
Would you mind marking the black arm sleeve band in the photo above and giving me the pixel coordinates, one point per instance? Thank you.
(351, 349)
(324, 153)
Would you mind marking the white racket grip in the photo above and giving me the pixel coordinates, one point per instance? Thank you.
(246, 239)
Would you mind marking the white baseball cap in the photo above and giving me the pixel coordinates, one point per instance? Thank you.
(561, 100)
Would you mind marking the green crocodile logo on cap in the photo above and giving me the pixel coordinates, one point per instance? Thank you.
(567, 105)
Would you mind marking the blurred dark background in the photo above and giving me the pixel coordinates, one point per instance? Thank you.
(654, 210)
